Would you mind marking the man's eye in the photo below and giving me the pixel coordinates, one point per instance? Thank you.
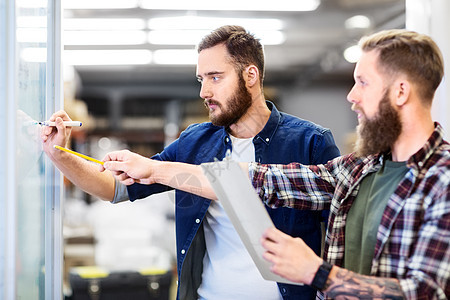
(215, 78)
(200, 80)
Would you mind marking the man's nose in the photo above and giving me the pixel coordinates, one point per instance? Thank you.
(352, 95)
(205, 91)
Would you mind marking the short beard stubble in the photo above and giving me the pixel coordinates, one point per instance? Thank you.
(238, 105)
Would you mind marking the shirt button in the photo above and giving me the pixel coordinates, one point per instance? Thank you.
(227, 139)
(183, 251)
(267, 139)
(420, 164)
(197, 221)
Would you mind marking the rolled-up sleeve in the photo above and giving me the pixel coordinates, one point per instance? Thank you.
(120, 192)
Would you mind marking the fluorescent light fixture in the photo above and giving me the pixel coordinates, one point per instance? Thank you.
(189, 30)
(107, 57)
(352, 54)
(103, 24)
(193, 37)
(99, 4)
(31, 3)
(358, 21)
(208, 23)
(176, 37)
(32, 22)
(272, 37)
(30, 35)
(122, 37)
(175, 57)
(34, 55)
(249, 5)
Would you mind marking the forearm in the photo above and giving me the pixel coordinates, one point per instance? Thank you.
(85, 175)
(344, 284)
(185, 177)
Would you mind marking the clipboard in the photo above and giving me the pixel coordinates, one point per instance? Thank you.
(245, 209)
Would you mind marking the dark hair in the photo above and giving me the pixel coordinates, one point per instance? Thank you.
(244, 49)
(410, 53)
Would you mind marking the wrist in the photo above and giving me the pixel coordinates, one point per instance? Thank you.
(161, 171)
(320, 278)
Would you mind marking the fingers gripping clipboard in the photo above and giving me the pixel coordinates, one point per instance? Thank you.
(245, 210)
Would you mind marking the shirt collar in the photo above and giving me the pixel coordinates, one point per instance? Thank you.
(416, 161)
(269, 129)
(419, 159)
(271, 126)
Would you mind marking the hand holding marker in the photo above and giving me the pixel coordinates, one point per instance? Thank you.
(66, 123)
(70, 124)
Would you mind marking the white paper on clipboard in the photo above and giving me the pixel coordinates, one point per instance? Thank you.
(245, 210)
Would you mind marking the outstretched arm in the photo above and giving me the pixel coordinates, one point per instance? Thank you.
(129, 167)
(80, 172)
(293, 259)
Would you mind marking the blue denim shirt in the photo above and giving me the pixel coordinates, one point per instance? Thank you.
(284, 139)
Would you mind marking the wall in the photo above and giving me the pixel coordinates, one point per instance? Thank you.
(325, 104)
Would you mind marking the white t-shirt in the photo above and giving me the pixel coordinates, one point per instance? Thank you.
(228, 270)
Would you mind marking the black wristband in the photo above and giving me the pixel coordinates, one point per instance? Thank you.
(320, 279)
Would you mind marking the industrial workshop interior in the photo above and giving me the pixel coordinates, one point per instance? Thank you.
(126, 69)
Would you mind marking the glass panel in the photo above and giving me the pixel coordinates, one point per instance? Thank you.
(31, 51)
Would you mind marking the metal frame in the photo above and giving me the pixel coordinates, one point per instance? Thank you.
(53, 179)
(8, 156)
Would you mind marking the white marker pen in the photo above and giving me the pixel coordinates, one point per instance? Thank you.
(66, 123)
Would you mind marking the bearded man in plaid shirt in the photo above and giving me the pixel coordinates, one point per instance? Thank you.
(389, 226)
(388, 233)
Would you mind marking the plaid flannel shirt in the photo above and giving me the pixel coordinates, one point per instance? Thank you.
(413, 239)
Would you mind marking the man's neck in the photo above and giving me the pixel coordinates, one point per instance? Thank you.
(413, 137)
(253, 121)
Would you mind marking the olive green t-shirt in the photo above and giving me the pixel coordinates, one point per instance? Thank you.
(365, 215)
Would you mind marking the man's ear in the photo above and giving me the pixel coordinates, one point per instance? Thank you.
(251, 75)
(402, 90)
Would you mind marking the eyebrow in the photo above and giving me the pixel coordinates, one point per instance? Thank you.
(211, 73)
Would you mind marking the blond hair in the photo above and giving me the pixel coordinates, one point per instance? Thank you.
(410, 53)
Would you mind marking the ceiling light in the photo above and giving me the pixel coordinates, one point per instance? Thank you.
(249, 5)
(358, 21)
(176, 37)
(107, 57)
(175, 57)
(99, 4)
(193, 37)
(103, 24)
(122, 37)
(209, 23)
(272, 37)
(352, 53)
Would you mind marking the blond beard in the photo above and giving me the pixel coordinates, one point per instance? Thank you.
(379, 134)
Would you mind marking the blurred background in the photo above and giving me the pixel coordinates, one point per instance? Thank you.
(132, 63)
(129, 75)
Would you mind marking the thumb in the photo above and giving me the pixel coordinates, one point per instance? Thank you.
(116, 166)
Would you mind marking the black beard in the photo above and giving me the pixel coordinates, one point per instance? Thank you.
(379, 134)
(238, 105)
